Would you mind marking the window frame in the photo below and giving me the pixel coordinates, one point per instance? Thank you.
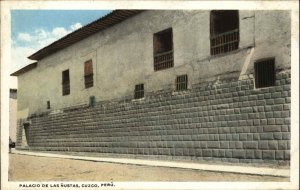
(181, 83)
(66, 87)
(139, 91)
(225, 41)
(163, 59)
(88, 74)
(263, 81)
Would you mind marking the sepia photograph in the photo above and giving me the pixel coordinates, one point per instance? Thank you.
(127, 97)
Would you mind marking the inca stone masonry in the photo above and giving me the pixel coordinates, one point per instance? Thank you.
(196, 85)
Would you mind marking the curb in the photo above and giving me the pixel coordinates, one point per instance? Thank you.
(183, 165)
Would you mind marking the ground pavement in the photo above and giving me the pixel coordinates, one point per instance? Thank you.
(38, 168)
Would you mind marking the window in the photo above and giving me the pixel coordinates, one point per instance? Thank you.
(264, 73)
(224, 31)
(92, 102)
(48, 105)
(181, 82)
(65, 82)
(88, 74)
(139, 91)
(163, 49)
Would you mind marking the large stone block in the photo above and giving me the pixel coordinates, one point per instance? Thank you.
(268, 154)
(213, 144)
(239, 154)
(250, 145)
(207, 153)
(270, 128)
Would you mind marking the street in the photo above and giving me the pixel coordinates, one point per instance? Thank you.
(34, 168)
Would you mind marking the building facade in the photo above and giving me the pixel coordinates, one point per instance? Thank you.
(13, 114)
(193, 84)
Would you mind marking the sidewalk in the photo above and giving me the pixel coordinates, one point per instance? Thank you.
(265, 171)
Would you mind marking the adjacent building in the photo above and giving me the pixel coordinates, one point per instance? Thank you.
(13, 114)
(163, 84)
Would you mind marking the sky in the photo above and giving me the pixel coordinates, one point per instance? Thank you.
(32, 30)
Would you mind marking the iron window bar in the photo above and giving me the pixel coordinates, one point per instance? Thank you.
(66, 88)
(139, 91)
(181, 82)
(163, 60)
(89, 80)
(224, 42)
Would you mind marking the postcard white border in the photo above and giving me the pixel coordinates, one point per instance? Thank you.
(7, 6)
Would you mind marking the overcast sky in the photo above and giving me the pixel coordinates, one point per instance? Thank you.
(34, 29)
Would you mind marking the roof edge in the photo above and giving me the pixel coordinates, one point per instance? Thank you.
(102, 23)
(24, 69)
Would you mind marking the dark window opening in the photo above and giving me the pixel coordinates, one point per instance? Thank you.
(163, 49)
(88, 74)
(48, 105)
(264, 73)
(92, 102)
(65, 82)
(181, 82)
(224, 31)
(139, 91)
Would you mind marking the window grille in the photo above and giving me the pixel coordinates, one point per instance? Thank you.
(163, 49)
(65, 82)
(139, 91)
(224, 31)
(264, 73)
(181, 82)
(88, 74)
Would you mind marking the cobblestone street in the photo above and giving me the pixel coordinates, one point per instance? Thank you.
(34, 168)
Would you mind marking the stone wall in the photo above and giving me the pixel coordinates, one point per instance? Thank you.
(225, 120)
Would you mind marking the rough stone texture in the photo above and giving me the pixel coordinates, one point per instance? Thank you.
(226, 121)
